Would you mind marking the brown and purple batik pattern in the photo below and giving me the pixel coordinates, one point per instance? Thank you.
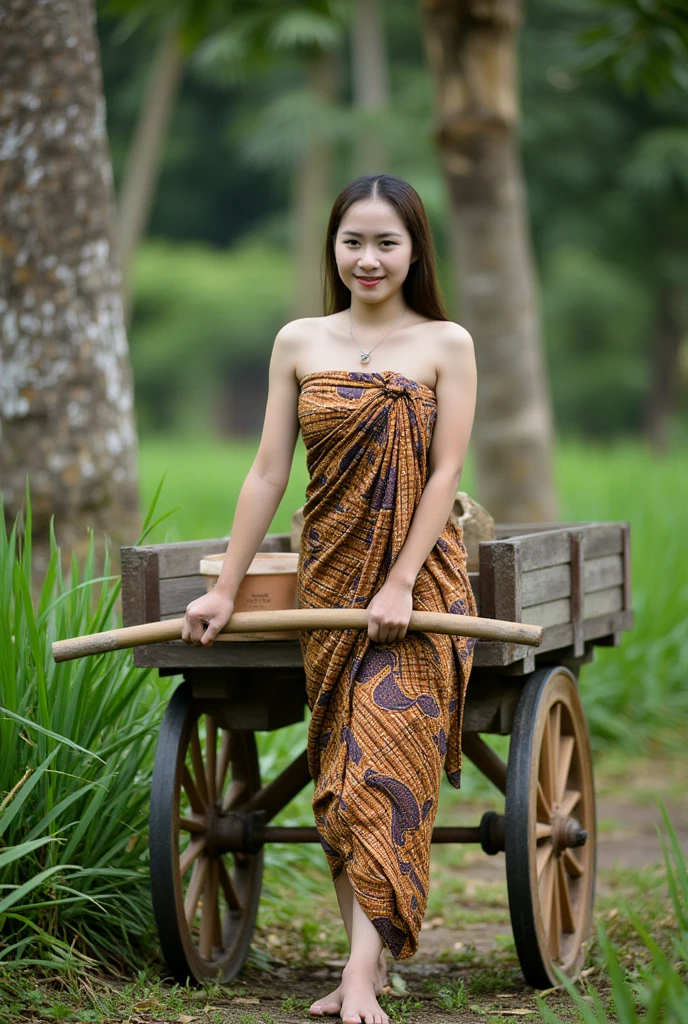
(385, 717)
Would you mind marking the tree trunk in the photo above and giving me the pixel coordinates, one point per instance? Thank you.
(66, 396)
(370, 84)
(310, 195)
(471, 48)
(145, 155)
(665, 372)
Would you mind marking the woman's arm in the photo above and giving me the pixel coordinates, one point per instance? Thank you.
(390, 609)
(260, 495)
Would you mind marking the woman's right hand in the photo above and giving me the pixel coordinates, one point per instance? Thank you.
(205, 617)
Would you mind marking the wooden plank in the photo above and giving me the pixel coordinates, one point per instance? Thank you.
(550, 613)
(549, 584)
(603, 602)
(513, 530)
(140, 593)
(577, 572)
(605, 625)
(626, 563)
(500, 580)
(277, 654)
(544, 548)
(601, 573)
(494, 654)
(603, 539)
(486, 579)
(176, 593)
(540, 550)
(183, 558)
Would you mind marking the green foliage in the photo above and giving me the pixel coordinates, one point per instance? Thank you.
(643, 44)
(653, 993)
(76, 743)
(636, 693)
(449, 994)
(596, 321)
(201, 318)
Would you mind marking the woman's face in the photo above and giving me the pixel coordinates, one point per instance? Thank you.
(373, 250)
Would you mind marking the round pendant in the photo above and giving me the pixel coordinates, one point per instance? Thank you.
(365, 357)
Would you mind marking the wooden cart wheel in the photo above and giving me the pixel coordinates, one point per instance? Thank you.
(205, 902)
(550, 828)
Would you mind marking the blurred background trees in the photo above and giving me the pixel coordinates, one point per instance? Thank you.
(241, 199)
(233, 123)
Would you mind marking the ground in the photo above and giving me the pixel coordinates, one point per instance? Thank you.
(466, 968)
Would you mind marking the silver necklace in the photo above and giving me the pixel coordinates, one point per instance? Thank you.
(365, 356)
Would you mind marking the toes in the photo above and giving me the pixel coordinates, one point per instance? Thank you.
(319, 1009)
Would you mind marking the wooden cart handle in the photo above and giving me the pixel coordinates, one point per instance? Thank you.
(295, 619)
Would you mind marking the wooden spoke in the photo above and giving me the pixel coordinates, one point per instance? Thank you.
(208, 911)
(543, 856)
(567, 919)
(555, 728)
(572, 864)
(211, 756)
(547, 768)
(566, 747)
(234, 791)
(197, 805)
(192, 824)
(205, 907)
(569, 802)
(555, 920)
(193, 893)
(544, 810)
(197, 760)
(223, 760)
(186, 859)
(546, 893)
(217, 922)
(549, 788)
(228, 888)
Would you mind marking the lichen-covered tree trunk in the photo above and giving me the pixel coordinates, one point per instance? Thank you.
(471, 50)
(66, 392)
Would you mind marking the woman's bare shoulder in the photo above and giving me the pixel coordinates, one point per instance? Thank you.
(304, 328)
(452, 334)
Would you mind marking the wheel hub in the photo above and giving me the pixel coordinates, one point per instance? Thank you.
(567, 833)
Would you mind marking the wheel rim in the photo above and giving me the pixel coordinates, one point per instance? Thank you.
(206, 930)
(563, 800)
(550, 802)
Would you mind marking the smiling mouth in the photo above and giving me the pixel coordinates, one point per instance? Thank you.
(359, 277)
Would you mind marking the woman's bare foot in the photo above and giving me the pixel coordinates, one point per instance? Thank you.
(359, 1002)
(332, 1003)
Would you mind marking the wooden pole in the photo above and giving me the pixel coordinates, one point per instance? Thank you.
(297, 618)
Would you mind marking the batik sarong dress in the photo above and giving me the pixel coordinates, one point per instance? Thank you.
(385, 718)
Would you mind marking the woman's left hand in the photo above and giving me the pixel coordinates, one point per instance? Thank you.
(389, 613)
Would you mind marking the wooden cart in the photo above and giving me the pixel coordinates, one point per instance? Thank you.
(210, 816)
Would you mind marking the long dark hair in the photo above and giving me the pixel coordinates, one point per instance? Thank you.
(421, 289)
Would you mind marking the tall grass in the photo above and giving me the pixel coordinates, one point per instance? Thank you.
(633, 693)
(637, 694)
(654, 991)
(76, 746)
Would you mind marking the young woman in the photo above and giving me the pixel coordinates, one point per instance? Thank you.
(383, 389)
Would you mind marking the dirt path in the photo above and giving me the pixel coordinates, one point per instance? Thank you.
(466, 970)
(466, 937)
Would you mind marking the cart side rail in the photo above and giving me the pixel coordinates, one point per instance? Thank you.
(574, 580)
